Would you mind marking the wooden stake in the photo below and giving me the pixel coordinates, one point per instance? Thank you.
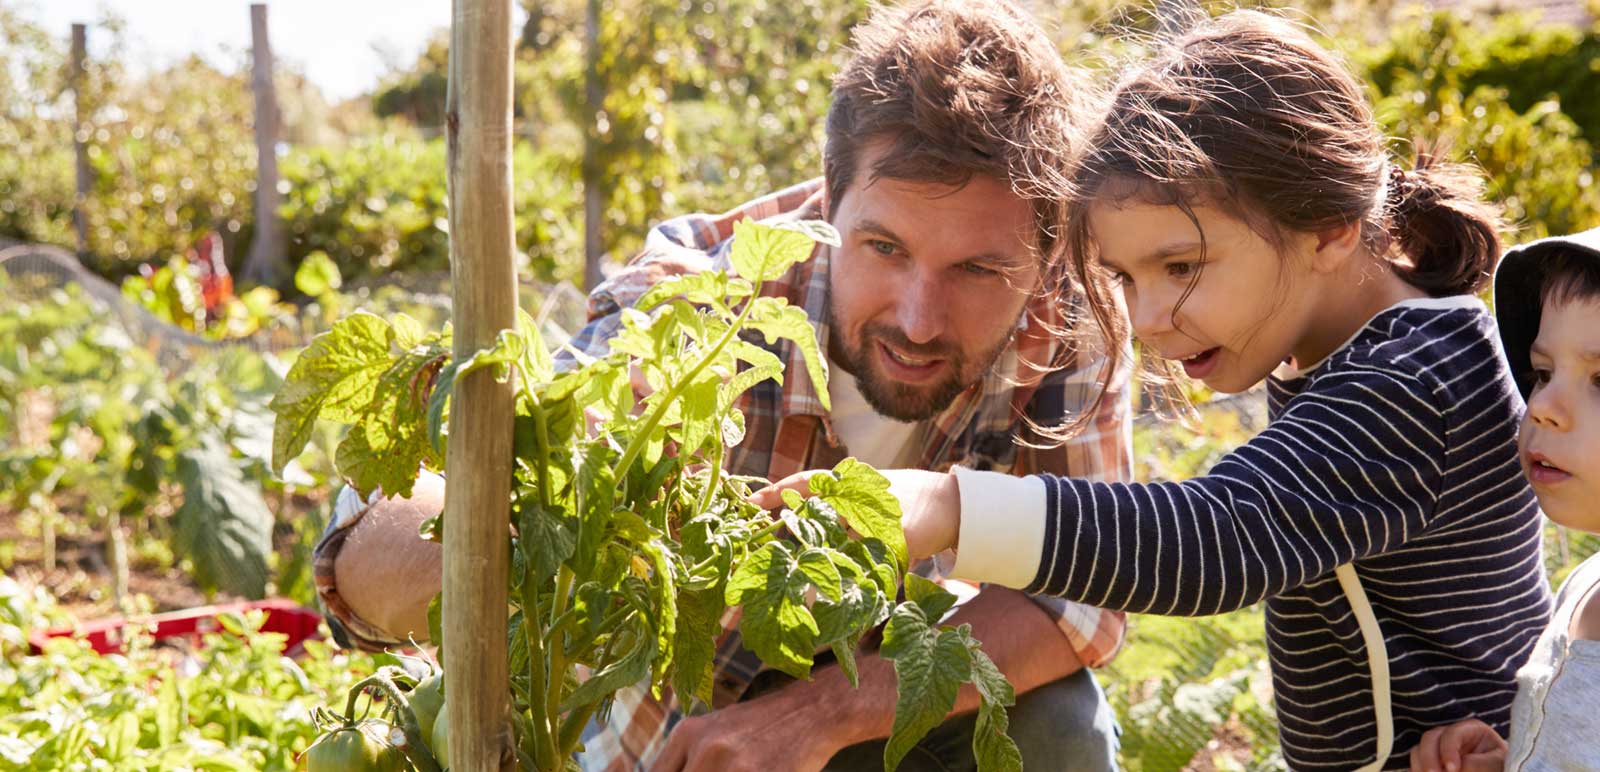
(268, 263)
(594, 195)
(80, 137)
(477, 510)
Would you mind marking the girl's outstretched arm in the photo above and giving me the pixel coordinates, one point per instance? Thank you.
(1351, 468)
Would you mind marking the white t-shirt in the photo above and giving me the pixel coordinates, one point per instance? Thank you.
(1556, 714)
(867, 434)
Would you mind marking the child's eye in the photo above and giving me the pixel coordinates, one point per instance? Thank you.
(1537, 377)
(1182, 270)
(1120, 279)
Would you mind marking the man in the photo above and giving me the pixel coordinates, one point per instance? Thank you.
(941, 314)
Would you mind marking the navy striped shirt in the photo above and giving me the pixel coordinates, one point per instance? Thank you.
(1397, 453)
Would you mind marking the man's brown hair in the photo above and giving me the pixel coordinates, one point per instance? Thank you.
(959, 88)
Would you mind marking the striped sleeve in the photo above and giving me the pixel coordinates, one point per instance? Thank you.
(1102, 451)
(1351, 468)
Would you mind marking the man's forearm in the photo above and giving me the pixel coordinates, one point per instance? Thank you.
(1020, 637)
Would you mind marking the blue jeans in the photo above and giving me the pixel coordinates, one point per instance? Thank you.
(1064, 725)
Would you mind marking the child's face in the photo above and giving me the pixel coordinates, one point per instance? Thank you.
(1561, 431)
(1235, 325)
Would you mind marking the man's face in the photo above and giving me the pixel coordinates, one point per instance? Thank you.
(927, 286)
(1561, 430)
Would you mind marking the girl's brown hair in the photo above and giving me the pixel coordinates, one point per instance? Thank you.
(1247, 112)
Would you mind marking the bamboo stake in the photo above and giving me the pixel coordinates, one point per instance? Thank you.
(483, 292)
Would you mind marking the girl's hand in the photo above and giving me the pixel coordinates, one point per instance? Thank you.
(1465, 746)
(930, 506)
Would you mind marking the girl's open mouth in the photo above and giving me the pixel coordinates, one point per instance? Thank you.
(1200, 365)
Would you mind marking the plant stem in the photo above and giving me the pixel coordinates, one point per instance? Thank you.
(636, 444)
(542, 742)
(416, 749)
(558, 649)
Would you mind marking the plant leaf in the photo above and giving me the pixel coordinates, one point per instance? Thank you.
(861, 496)
(334, 377)
(775, 318)
(991, 746)
(224, 525)
(776, 624)
(764, 252)
(929, 665)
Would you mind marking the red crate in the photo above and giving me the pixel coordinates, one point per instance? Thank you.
(105, 635)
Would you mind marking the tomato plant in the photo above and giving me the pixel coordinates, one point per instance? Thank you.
(629, 541)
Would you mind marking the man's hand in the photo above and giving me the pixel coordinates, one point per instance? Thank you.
(1465, 746)
(930, 506)
(805, 723)
(761, 735)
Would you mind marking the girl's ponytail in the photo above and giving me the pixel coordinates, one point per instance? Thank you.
(1448, 235)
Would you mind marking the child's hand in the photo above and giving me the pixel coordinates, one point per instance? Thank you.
(1465, 746)
(930, 506)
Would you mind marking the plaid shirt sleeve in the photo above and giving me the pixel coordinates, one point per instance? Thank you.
(1102, 451)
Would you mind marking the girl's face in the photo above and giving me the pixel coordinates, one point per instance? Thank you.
(1250, 310)
(1561, 430)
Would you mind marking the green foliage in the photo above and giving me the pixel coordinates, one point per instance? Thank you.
(236, 704)
(378, 205)
(629, 540)
(1507, 96)
(89, 416)
(1531, 61)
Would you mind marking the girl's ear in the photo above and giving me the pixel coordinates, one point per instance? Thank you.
(1336, 246)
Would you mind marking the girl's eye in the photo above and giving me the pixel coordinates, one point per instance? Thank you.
(1180, 270)
(1120, 279)
(1537, 377)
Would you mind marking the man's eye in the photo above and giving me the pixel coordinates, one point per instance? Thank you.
(882, 247)
(979, 269)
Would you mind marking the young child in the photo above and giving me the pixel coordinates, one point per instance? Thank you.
(1240, 196)
(1547, 298)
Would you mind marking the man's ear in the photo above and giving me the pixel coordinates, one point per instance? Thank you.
(1335, 246)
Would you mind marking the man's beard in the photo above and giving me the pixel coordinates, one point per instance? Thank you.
(897, 400)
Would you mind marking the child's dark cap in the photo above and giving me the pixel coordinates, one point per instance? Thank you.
(1519, 292)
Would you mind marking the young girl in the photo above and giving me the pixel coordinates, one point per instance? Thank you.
(1240, 198)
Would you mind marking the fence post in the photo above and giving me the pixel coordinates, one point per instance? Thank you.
(80, 137)
(477, 509)
(267, 263)
(593, 194)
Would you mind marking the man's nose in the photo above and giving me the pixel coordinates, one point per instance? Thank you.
(1547, 408)
(924, 308)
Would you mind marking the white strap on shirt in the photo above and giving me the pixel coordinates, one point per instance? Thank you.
(1377, 662)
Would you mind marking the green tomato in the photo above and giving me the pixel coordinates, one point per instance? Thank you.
(441, 735)
(426, 700)
(362, 747)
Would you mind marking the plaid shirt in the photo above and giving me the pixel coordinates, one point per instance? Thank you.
(787, 431)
